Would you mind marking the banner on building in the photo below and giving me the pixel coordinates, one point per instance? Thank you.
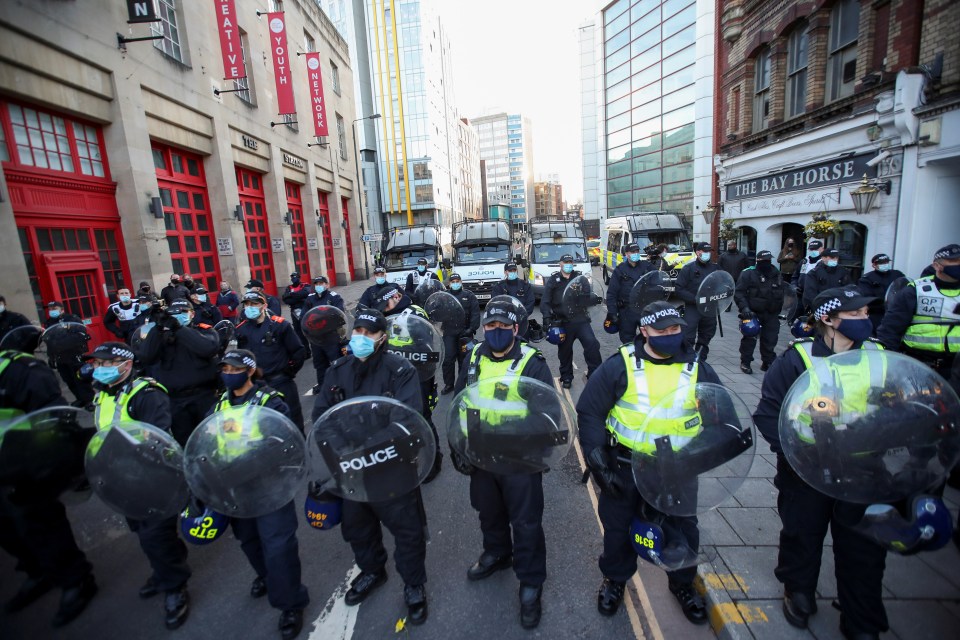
(281, 63)
(141, 11)
(317, 108)
(230, 46)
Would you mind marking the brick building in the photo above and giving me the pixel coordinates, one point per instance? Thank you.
(548, 199)
(813, 95)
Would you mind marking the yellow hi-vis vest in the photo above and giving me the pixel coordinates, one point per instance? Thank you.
(111, 409)
(6, 357)
(232, 443)
(500, 400)
(854, 380)
(647, 386)
(936, 322)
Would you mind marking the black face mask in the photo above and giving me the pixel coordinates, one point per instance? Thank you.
(764, 266)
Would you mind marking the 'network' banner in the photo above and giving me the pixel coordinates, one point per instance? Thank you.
(319, 111)
(281, 63)
(230, 47)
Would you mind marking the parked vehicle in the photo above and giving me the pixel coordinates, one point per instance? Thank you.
(480, 250)
(406, 245)
(549, 238)
(645, 229)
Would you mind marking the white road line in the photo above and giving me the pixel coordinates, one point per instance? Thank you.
(337, 620)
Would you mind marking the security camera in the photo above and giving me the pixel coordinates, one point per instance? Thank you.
(880, 157)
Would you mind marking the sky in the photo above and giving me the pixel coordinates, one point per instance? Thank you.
(523, 56)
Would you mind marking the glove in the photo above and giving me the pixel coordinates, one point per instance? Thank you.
(747, 315)
(604, 474)
(460, 464)
(613, 317)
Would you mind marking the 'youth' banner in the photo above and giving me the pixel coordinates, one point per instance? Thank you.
(281, 63)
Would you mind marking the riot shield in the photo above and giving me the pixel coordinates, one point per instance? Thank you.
(446, 311)
(25, 338)
(416, 340)
(245, 461)
(137, 470)
(324, 325)
(65, 340)
(45, 446)
(524, 315)
(582, 295)
(140, 334)
(225, 330)
(790, 302)
(511, 425)
(654, 286)
(426, 289)
(370, 449)
(895, 287)
(868, 426)
(715, 292)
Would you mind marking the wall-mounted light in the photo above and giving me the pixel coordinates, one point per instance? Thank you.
(238, 213)
(710, 212)
(156, 207)
(288, 217)
(866, 194)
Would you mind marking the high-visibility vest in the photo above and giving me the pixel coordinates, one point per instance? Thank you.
(6, 357)
(232, 444)
(498, 399)
(936, 322)
(681, 420)
(111, 409)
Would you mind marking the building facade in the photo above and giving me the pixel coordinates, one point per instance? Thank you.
(813, 96)
(506, 147)
(119, 163)
(548, 199)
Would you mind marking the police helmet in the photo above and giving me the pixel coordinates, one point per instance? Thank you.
(202, 527)
(322, 509)
(610, 325)
(750, 328)
(556, 335)
(800, 329)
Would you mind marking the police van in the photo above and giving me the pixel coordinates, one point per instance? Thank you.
(549, 238)
(655, 228)
(406, 245)
(480, 251)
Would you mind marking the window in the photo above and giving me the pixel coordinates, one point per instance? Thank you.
(290, 119)
(342, 136)
(167, 27)
(761, 91)
(242, 85)
(276, 5)
(842, 54)
(309, 44)
(335, 73)
(797, 47)
(48, 141)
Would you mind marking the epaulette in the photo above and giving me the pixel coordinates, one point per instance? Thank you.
(277, 318)
(799, 340)
(201, 325)
(153, 382)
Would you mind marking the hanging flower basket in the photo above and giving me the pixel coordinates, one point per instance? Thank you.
(821, 226)
(728, 230)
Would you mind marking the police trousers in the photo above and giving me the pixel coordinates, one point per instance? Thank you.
(583, 332)
(270, 544)
(629, 325)
(404, 517)
(188, 408)
(805, 514)
(700, 329)
(291, 395)
(165, 551)
(452, 358)
(323, 357)
(618, 561)
(69, 368)
(769, 333)
(512, 502)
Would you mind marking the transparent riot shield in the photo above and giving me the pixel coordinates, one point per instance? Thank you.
(25, 338)
(581, 297)
(245, 461)
(225, 331)
(324, 325)
(870, 426)
(45, 446)
(65, 340)
(524, 312)
(895, 287)
(790, 302)
(690, 454)
(140, 334)
(446, 311)
(654, 286)
(715, 293)
(137, 470)
(511, 425)
(416, 340)
(426, 289)
(370, 449)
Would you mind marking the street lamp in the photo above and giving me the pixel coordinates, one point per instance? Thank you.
(360, 189)
(710, 213)
(865, 195)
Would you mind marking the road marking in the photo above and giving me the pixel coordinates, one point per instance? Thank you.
(645, 605)
(726, 613)
(727, 581)
(337, 620)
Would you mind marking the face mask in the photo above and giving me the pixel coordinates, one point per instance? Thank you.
(498, 339)
(831, 263)
(381, 281)
(248, 289)
(362, 346)
(705, 256)
(813, 253)
(251, 313)
(456, 286)
(124, 298)
(202, 297)
(568, 268)
(732, 249)
(667, 345)
(512, 275)
(54, 314)
(319, 289)
(421, 268)
(234, 381)
(183, 319)
(3, 308)
(634, 257)
(883, 268)
(857, 330)
(106, 375)
(295, 280)
(952, 270)
(764, 266)
(145, 289)
(144, 306)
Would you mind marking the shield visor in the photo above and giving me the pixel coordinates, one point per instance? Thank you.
(417, 341)
(446, 311)
(426, 289)
(45, 446)
(581, 295)
(25, 338)
(324, 325)
(65, 339)
(654, 286)
(895, 287)
(715, 292)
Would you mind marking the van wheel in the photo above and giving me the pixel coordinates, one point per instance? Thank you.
(606, 276)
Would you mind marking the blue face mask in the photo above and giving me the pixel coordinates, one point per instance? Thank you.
(362, 346)
(705, 256)
(145, 306)
(183, 319)
(883, 268)
(202, 297)
(568, 268)
(381, 280)
(498, 339)
(511, 275)
(54, 314)
(634, 257)
(456, 286)
(124, 298)
(831, 263)
(106, 375)
(251, 312)
(858, 329)
(667, 345)
(319, 289)
(421, 268)
(813, 253)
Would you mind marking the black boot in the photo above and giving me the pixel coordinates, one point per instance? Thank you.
(74, 600)
(610, 596)
(691, 602)
(416, 598)
(530, 605)
(258, 588)
(798, 607)
(487, 565)
(363, 585)
(291, 622)
(176, 607)
(148, 590)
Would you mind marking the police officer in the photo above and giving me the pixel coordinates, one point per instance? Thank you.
(227, 302)
(418, 276)
(454, 344)
(295, 297)
(123, 396)
(369, 296)
(181, 356)
(174, 291)
(827, 274)
(10, 320)
(278, 350)
(372, 371)
(269, 541)
(273, 304)
(323, 356)
(814, 251)
(842, 324)
(700, 328)
(513, 285)
(576, 323)
(875, 283)
(508, 504)
(622, 280)
(65, 346)
(33, 522)
(759, 295)
(121, 316)
(612, 407)
(923, 320)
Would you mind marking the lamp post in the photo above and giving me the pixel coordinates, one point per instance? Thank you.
(865, 195)
(360, 189)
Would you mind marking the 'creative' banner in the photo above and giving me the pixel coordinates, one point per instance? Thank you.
(230, 47)
(317, 108)
(281, 63)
